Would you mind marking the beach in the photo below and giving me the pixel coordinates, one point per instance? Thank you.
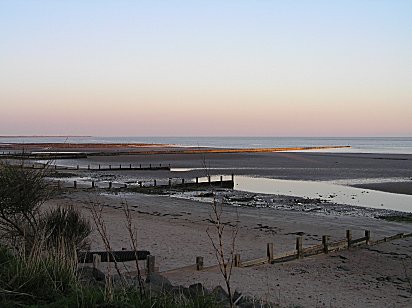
(173, 226)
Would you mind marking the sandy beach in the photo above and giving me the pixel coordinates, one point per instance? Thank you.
(173, 228)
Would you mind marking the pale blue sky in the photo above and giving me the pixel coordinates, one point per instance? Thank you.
(273, 68)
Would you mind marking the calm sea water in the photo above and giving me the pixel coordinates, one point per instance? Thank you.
(395, 145)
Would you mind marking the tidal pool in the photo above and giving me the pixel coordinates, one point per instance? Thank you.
(326, 191)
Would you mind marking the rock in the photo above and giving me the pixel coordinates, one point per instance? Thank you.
(197, 289)
(159, 281)
(220, 294)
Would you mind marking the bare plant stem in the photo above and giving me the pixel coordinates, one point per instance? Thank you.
(133, 238)
(224, 259)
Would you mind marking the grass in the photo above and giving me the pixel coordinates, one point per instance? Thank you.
(407, 218)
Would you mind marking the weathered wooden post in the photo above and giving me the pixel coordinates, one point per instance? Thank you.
(74, 184)
(233, 177)
(120, 166)
(110, 166)
(130, 166)
(93, 184)
(110, 185)
(325, 244)
(367, 236)
(140, 166)
(199, 263)
(88, 167)
(78, 167)
(150, 266)
(197, 180)
(208, 179)
(170, 182)
(349, 238)
(183, 181)
(154, 183)
(237, 260)
(96, 266)
(269, 252)
(221, 181)
(99, 166)
(299, 247)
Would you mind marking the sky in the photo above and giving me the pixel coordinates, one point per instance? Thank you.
(206, 68)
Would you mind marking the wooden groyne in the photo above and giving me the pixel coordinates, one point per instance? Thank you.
(142, 186)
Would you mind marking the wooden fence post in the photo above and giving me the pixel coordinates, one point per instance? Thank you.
(78, 167)
(349, 238)
(88, 167)
(150, 265)
(130, 166)
(237, 260)
(299, 247)
(140, 184)
(233, 177)
(154, 183)
(170, 182)
(96, 265)
(140, 166)
(221, 181)
(325, 244)
(74, 184)
(269, 252)
(199, 263)
(197, 180)
(208, 178)
(93, 184)
(120, 166)
(99, 166)
(183, 181)
(110, 185)
(110, 166)
(368, 236)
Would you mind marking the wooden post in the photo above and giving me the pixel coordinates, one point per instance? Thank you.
(150, 166)
(130, 166)
(140, 183)
(233, 177)
(183, 181)
(237, 260)
(78, 167)
(199, 263)
(93, 184)
(208, 178)
(325, 244)
(170, 182)
(269, 252)
(110, 185)
(197, 180)
(349, 238)
(88, 167)
(140, 166)
(368, 236)
(55, 167)
(150, 265)
(58, 185)
(74, 184)
(99, 166)
(221, 181)
(110, 166)
(96, 265)
(120, 166)
(299, 246)
(154, 183)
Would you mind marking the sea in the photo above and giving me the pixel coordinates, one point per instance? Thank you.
(392, 145)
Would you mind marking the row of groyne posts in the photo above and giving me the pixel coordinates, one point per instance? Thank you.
(300, 252)
(100, 167)
(181, 183)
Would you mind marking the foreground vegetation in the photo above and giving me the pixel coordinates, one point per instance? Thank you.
(38, 255)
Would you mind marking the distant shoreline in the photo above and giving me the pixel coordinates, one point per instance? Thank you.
(45, 136)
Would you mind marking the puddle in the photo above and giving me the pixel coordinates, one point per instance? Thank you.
(326, 191)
